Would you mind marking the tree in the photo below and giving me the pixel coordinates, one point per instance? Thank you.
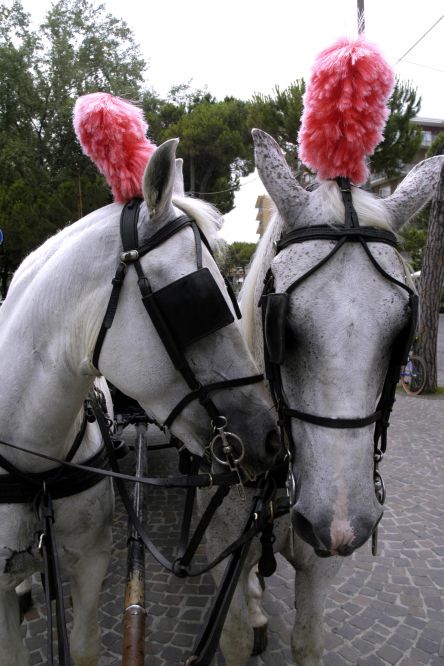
(280, 115)
(414, 238)
(46, 182)
(215, 142)
(432, 277)
(401, 138)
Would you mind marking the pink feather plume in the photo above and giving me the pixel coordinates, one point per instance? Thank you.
(345, 109)
(112, 133)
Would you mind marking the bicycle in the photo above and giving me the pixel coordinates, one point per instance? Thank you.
(413, 375)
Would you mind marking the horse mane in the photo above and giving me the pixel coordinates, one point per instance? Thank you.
(369, 208)
(207, 217)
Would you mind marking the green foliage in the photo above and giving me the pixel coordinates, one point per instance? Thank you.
(280, 115)
(437, 147)
(414, 238)
(402, 139)
(46, 182)
(215, 142)
(237, 255)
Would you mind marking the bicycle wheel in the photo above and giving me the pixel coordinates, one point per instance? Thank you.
(413, 381)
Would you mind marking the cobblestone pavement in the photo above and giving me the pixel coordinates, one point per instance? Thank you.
(381, 611)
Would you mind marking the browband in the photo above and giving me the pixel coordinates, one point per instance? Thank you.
(327, 232)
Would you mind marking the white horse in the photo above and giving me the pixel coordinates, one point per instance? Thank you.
(49, 324)
(340, 327)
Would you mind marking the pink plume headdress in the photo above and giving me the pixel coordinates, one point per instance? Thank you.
(345, 109)
(112, 133)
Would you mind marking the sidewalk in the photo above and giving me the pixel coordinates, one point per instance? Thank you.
(382, 611)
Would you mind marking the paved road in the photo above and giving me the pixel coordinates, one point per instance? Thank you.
(381, 611)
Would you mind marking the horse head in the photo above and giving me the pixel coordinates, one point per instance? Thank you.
(201, 345)
(333, 328)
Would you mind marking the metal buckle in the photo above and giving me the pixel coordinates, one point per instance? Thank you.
(227, 455)
(129, 256)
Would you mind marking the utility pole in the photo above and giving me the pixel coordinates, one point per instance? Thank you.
(361, 16)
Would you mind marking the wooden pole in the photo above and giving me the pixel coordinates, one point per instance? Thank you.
(135, 612)
(361, 16)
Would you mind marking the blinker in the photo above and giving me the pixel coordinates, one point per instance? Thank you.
(276, 308)
(192, 307)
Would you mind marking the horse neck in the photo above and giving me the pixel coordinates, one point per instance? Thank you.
(47, 334)
(252, 288)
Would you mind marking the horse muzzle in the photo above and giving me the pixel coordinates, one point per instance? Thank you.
(334, 537)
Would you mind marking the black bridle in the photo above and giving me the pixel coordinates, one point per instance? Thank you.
(274, 314)
(182, 312)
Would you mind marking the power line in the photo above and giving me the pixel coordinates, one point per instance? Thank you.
(230, 189)
(420, 39)
(417, 64)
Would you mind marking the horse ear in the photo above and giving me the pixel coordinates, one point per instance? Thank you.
(276, 175)
(179, 188)
(415, 191)
(159, 178)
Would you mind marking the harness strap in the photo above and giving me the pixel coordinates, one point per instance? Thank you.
(333, 422)
(111, 309)
(351, 218)
(206, 644)
(53, 583)
(189, 465)
(327, 232)
(201, 393)
(192, 544)
(200, 480)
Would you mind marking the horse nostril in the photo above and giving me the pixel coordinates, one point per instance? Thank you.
(272, 443)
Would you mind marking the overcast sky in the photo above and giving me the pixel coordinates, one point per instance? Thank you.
(238, 47)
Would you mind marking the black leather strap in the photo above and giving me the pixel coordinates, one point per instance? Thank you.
(335, 232)
(351, 219)
(180, 481)
(327, 422)
(20, 487)
(53, 583)
(202, 392)
(173, 566)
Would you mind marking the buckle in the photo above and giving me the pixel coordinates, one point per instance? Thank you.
(129, 256)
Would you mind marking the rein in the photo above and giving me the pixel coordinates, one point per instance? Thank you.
(274, 314)
(265, 508)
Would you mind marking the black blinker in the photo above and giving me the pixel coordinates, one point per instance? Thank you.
(192, 307)
(276, 308)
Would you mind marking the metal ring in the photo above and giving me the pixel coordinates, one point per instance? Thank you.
(225, 436)
(291, 486)
(219, 427)
(135, 609)
(379, 487)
